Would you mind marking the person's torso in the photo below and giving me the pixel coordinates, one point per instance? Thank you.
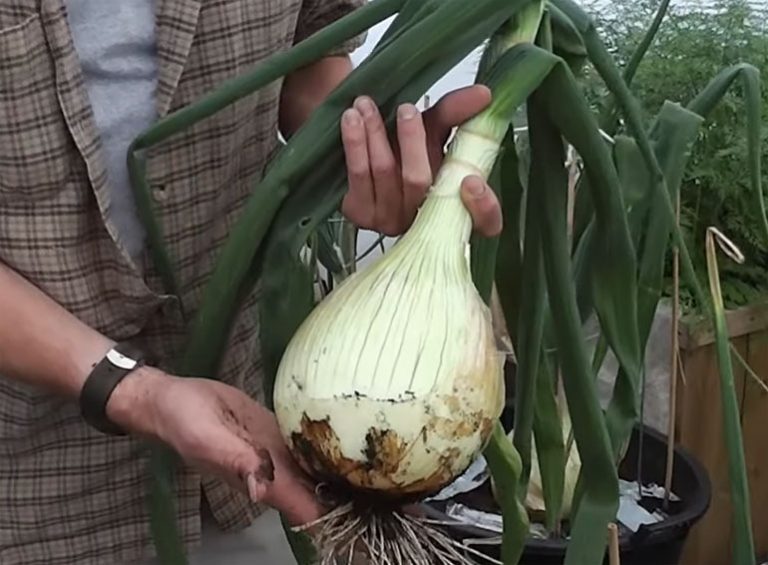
(67, 225)
(59, 189)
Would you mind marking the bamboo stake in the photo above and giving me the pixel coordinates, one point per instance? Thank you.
(614, 558)
(681, 370)
(675, 363)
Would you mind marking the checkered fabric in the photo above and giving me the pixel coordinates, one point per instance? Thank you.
(69, 495)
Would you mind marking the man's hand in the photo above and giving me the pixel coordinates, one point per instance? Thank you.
(388, 184)
(220, 431)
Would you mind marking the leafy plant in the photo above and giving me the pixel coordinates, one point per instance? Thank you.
(696, 40)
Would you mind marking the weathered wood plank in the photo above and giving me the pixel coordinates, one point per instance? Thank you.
(697, 332)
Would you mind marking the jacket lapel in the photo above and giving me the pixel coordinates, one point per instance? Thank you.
(175, 26)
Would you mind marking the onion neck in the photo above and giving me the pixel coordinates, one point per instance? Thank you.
(443, 221)
(472, 152)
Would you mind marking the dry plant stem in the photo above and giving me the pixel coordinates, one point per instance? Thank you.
(349, 535)
(681, 369)
(573, 180)
(674, 366)
(614, 558)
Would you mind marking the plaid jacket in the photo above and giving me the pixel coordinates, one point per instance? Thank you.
(69, 495)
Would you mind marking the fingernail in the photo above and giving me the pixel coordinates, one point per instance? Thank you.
(255, 489)
(475, 187)
(351, 117)
(365, 106)
(406, 112)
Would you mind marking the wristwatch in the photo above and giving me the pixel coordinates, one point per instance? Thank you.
(119, 361)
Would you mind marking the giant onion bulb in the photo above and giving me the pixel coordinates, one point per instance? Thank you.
(394, 381)
(392, 385)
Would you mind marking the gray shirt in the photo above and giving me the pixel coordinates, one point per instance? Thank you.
(115, 41)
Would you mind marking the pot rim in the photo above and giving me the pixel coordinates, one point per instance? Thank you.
(657, 533)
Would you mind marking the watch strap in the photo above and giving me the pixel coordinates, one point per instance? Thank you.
(119, 361)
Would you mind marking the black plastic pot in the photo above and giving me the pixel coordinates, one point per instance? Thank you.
(654, 544)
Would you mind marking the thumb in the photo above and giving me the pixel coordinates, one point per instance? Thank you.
(482, 205)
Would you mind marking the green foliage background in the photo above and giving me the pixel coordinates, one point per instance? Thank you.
(696, 40)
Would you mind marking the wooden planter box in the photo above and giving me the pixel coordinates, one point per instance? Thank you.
(699, 428)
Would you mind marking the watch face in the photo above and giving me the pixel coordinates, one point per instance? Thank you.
(120, 360)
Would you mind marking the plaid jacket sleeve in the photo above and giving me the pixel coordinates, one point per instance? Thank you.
(317, 14)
